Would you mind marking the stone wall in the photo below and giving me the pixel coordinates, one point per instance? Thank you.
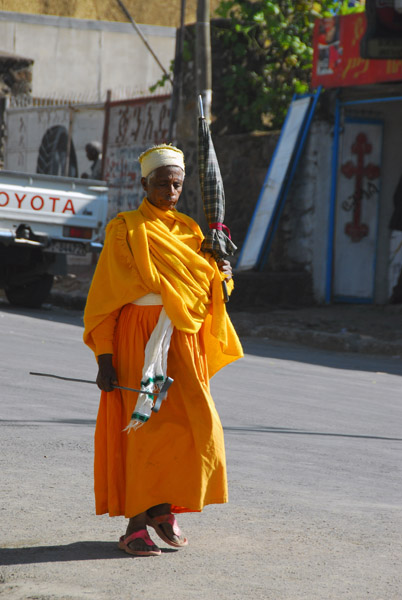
(297, 228)
(300, 245)
(244, 160)
(15, 75)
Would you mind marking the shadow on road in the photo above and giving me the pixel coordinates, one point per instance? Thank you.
(252, 345)
(65, 553)
(48, 312)
(226, 428)
(326, 358)
(284, 430)
(22, 422)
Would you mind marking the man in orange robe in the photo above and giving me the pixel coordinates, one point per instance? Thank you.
(152, 265)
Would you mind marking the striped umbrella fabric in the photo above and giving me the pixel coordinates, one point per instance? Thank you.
(217, 240)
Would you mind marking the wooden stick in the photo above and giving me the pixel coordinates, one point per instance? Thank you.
(168, 382)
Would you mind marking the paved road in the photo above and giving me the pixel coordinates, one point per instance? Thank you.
(314, 446)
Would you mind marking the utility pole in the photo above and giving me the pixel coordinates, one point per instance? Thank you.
(203, 57)
(177, 74)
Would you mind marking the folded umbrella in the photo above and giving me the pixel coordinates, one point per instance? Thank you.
(217, 240)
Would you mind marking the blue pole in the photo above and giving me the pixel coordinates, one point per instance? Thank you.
(372, 100)
(332, 206)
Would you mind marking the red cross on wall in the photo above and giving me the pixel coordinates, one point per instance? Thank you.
(361, 146)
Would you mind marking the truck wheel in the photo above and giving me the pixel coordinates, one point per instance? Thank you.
(31, 294)
(53, 153)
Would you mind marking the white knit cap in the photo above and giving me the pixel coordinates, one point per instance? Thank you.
(160, 156)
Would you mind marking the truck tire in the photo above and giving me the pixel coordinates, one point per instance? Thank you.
(53, 152)
(31, 294)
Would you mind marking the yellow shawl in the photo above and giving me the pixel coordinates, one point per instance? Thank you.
(150, 250)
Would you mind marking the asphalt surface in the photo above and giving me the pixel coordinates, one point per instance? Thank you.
(313, 442)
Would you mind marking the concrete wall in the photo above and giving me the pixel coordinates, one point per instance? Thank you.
(84, 58)
(26, 127)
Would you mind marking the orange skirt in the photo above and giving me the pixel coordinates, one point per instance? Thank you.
(178, 456)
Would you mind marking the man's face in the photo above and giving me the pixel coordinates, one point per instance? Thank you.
(92, 153)
(164, 186)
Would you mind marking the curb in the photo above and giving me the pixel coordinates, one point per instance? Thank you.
(73, 301)
(245, 327)
(339, 342)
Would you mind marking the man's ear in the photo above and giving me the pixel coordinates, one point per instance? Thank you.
(144, 183)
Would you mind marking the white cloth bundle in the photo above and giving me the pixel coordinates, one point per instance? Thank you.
(154, 370)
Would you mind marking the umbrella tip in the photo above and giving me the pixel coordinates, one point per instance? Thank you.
(200, 107)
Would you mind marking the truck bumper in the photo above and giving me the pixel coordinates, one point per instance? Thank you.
(64, 246)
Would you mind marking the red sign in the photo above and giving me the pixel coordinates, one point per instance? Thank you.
(337, 61)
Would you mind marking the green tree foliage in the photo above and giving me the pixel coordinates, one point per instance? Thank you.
(269, 49)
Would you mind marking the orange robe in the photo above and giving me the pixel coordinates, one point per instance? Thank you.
(178, 456)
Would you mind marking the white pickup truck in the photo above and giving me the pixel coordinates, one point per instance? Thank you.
(43, 218)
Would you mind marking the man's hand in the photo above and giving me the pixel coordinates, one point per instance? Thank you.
(106, 377)
(225, 267)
